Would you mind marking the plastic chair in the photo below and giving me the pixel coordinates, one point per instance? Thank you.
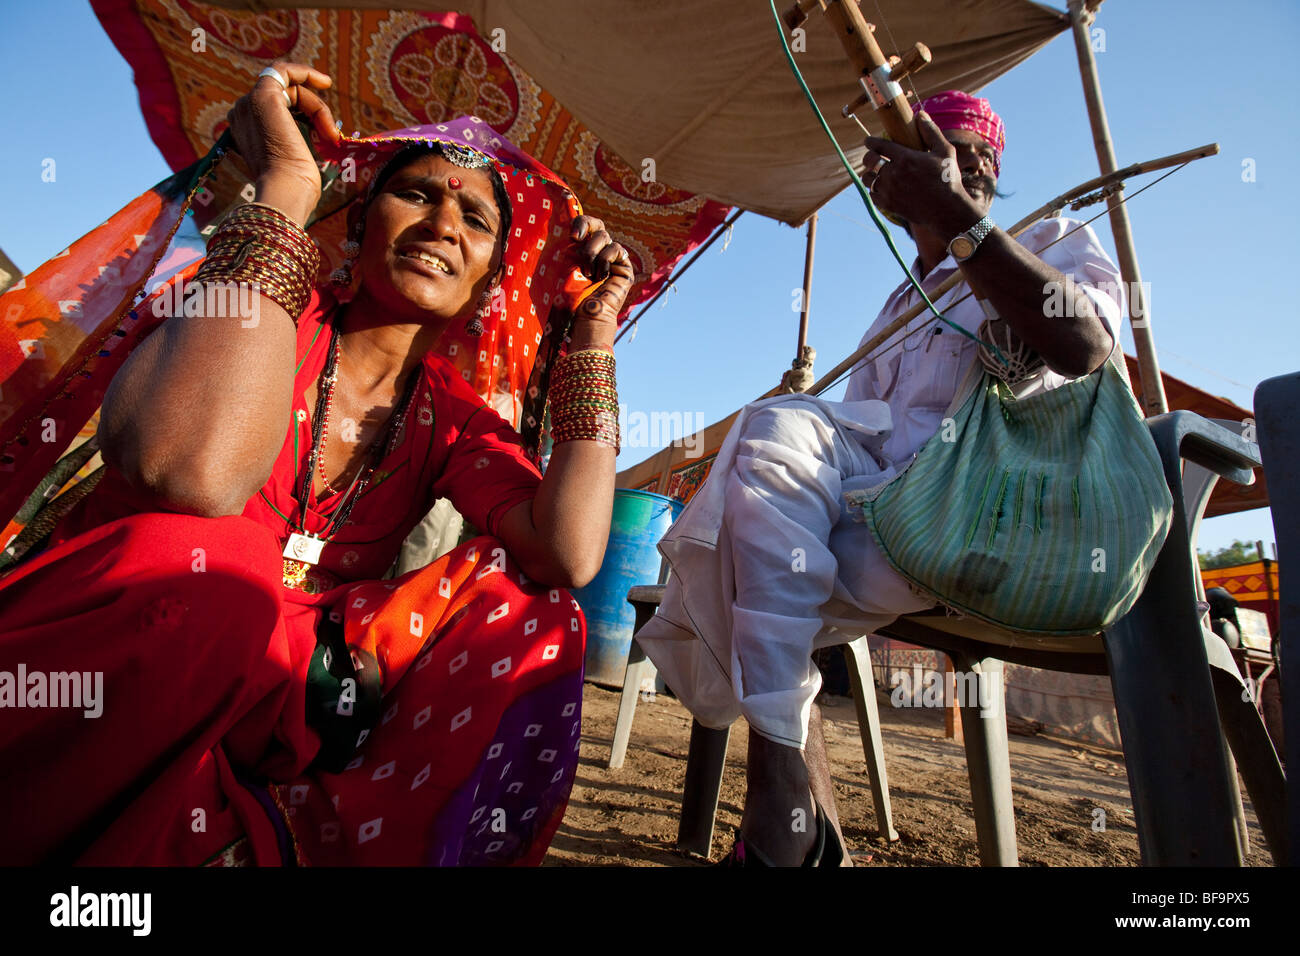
(708, 749)
(1170, 707)
(1276, 401)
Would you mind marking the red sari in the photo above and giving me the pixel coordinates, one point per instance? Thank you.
(460, 729)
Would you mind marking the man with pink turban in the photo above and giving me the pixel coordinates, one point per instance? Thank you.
(769, 565)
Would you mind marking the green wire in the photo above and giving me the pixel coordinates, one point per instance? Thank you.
(866, 195)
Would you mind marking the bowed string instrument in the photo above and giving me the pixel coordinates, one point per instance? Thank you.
(880, 76)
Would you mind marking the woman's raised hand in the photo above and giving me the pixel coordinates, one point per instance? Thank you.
(268, 138)
(605, 261)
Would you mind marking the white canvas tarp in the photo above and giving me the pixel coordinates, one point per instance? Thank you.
(702, 88)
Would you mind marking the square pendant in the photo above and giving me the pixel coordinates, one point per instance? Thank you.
(304, 547)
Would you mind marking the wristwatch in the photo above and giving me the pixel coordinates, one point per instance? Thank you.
(964, 246)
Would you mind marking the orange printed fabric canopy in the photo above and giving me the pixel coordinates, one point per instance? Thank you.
(394, 69)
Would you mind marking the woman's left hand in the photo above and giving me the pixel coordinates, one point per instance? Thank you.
(604, 261)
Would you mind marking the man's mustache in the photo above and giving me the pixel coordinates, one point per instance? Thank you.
(972, 181)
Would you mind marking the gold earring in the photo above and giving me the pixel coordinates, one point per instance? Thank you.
(342, 276)
(474, 326)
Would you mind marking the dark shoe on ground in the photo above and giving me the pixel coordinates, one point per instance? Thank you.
(826, 850)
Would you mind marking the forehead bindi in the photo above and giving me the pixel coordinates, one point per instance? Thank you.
(474, 184)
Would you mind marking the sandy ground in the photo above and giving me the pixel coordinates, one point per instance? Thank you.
(628, 817)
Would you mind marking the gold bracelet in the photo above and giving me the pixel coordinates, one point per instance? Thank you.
(260, 246)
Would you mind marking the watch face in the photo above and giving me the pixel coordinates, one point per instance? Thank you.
(961, 247)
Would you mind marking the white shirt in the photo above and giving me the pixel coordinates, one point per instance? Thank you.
(918, 370)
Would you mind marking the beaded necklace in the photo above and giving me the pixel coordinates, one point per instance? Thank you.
(303, 549)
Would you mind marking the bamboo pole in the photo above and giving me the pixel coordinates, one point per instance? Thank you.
(1153, 390)
(806, 304)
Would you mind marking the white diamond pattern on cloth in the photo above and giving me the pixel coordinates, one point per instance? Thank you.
(422, 718)
(512, 784)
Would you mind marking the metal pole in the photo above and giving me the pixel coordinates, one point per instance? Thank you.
(806, 302)
(1153, 390)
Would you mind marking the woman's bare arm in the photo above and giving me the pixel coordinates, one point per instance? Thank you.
(197, 414)
(559, 537)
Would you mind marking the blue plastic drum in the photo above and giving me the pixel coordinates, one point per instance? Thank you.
(639, 520)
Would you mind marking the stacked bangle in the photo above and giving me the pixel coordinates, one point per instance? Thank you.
(584, 398)
(260, 245)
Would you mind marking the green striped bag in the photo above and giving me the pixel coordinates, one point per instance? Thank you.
(1043, 514)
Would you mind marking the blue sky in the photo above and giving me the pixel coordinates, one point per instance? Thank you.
(1217, 250)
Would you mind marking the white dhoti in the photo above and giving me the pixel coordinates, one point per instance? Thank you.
(768, 565)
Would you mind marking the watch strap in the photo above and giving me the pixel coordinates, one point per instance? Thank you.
(975, 234)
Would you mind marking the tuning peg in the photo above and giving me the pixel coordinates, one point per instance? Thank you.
(797, 15)
(911, 61)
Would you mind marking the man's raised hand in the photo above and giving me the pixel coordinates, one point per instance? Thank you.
(922, 186)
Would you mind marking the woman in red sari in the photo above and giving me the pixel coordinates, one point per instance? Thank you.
(265, 697)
